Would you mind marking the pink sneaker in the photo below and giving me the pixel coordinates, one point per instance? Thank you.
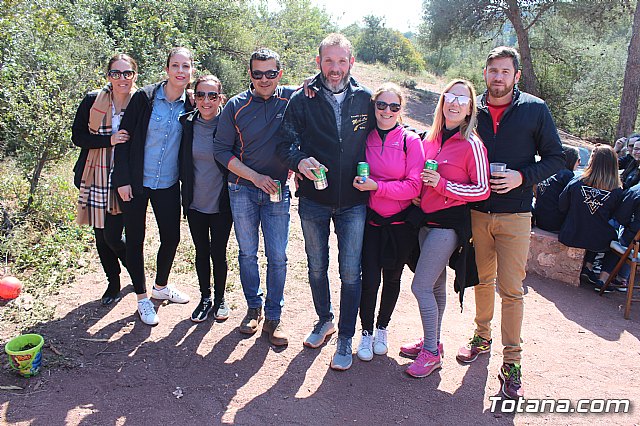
(413, 349)
(425, 364)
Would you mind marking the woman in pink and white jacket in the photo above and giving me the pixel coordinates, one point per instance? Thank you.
(396, 157)
(461, 177)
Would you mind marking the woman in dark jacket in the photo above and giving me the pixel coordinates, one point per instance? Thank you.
(205, 197)
(589, 203)
(96, 130)
(147, 169)
(546, 213)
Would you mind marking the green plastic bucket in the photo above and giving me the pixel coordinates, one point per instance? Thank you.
(25, 354)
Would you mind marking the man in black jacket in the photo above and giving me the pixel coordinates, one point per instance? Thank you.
(328, 132)
(515, 127)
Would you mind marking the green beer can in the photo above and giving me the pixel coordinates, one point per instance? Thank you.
(363, 169)
(321, 178)
(431, 165)
(277, 197)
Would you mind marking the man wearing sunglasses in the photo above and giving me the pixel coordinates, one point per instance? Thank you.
(329, 132)
(515, 127)
(245, 143)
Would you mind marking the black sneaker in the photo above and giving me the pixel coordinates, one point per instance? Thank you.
(599, 284)
(587, 276)
(202, 310)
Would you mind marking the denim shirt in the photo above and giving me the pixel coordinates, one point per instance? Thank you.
(162, 145)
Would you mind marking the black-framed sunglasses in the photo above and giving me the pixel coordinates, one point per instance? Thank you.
(394, 107)
(115, 74)
(213, 96)
(271, 74)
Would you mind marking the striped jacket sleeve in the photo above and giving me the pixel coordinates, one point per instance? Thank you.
(477, 165)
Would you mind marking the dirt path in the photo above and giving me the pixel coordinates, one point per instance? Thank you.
(104, 367)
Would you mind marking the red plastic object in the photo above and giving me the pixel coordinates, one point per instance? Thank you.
(10, 287)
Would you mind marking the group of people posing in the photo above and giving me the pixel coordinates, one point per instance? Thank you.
(596, 207)
(427, 202)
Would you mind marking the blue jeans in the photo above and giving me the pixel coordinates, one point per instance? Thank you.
(349, 228)
(250, 208)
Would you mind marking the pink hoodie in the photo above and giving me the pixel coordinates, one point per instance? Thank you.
(397, 173)
(464, 173)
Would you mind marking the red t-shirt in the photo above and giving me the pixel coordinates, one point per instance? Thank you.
(496, 112)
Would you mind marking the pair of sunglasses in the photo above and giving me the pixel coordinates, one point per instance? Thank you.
(394, 107)
(213, 96)
(257, 75)
(462, 100)
(115, 74)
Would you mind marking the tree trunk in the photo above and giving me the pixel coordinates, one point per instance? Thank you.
(528, 80)
(35, 177)
(631, 87)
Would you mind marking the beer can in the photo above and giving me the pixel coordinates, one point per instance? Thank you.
(321, 178)
(363, 169)
(277, 196)
(431, 165)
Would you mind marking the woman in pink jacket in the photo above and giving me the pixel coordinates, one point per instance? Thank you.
(395, 158)
(461, 177)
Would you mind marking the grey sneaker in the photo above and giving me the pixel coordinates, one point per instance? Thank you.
(319, 333)
(343, 357)
(221, 312)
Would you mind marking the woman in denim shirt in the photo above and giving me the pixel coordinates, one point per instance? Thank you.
(146, 169)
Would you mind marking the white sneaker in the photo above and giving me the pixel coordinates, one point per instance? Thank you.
(365, 349)
(147, 312)
(380, 341)
(169, 293)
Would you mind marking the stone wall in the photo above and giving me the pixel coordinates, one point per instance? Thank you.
(549, 258)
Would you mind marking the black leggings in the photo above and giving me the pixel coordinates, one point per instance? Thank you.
(111, 250)
(166, 208)
(210, 233)
(371, 267)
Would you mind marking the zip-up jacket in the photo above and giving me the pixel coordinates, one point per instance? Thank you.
(464, 173)
(187, 169)
(247, 131)
(395, 165)
(588, 211)
(310, 130)
(526, 129)
(81, 137)
(129, 156)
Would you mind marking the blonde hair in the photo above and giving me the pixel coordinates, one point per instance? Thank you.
(468, 126)
(391, 88)
(602, 170)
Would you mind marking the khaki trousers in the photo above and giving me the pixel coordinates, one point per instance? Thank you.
(502, 244)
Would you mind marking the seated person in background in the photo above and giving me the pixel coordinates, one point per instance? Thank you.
(623, 148)
(628, 215)
(631, 174)
(546, 213)
(589, 203)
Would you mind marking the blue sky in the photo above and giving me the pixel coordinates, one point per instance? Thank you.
(403, 15)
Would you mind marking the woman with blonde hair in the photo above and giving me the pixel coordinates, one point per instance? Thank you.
(461, 177)
(589, 203)
(395, 156)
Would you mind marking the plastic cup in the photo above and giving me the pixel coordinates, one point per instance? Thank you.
(25, 361)
(497, 167)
